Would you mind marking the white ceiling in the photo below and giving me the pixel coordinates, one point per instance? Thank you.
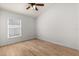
(21, 8)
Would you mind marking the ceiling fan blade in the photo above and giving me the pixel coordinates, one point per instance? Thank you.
(28, 7)
(39, 4)
(36, 9)
(31, 4)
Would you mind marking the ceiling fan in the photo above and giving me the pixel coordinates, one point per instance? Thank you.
(34, 6)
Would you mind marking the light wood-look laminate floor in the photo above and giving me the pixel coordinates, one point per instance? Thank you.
(36, 47)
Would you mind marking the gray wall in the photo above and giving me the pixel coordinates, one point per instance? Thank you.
(77, 27)
(28, 27)
(60, 25)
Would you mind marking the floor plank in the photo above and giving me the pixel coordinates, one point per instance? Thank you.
(37, 47)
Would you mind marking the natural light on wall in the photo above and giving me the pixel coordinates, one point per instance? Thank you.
(14, 28)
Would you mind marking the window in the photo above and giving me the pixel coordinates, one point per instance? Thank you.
(14, 28)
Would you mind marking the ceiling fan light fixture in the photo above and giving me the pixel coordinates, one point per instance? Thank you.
(34, 6)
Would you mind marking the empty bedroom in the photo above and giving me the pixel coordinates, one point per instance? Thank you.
(39, 29)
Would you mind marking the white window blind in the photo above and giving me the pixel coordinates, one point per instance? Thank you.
(14, 28)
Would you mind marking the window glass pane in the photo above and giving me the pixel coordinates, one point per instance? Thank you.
(14, 22)
(16, 31)
(11, 32)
